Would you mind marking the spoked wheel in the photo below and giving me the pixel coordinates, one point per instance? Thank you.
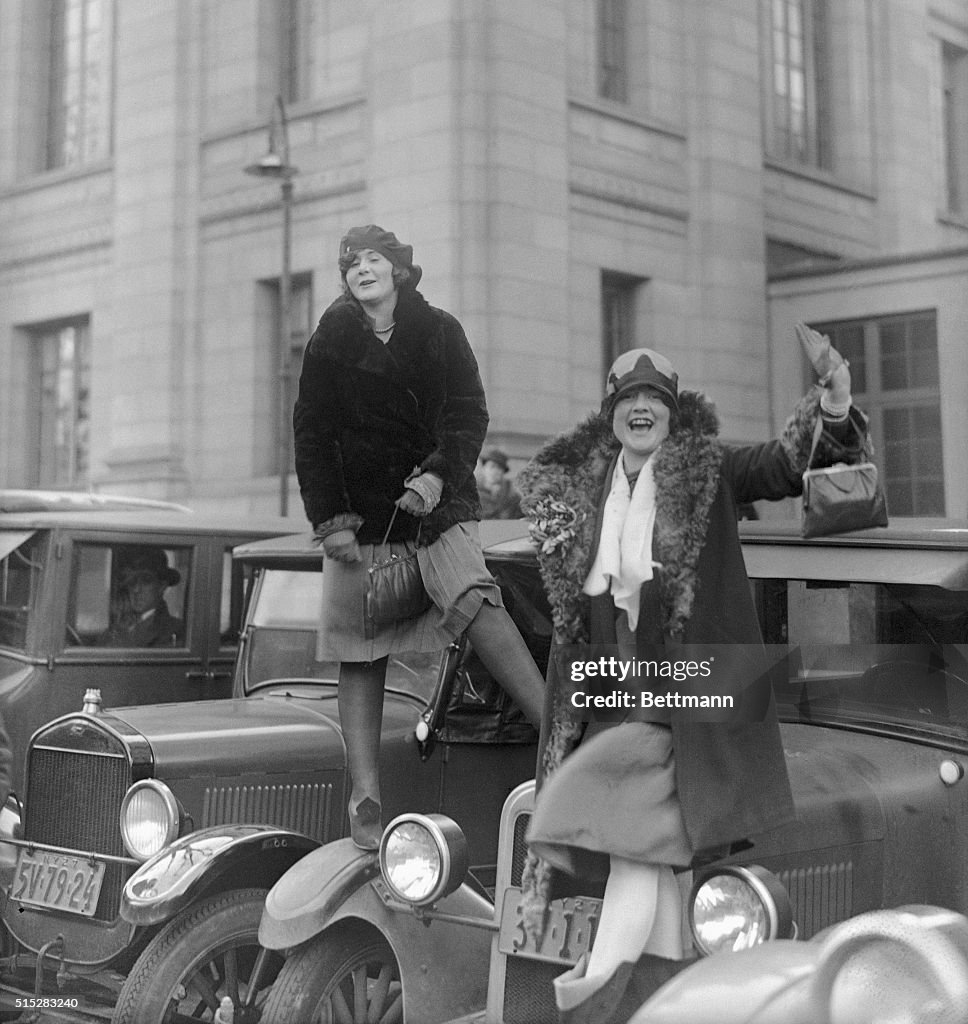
(209, 951)
(348, 978)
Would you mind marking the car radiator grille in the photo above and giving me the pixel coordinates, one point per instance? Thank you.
(74, 800)
(519, 848)
(528, 992)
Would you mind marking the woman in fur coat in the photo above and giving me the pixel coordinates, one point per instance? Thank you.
(389, 423)
(635, 516)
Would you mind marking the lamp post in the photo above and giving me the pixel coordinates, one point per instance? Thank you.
(275, 164)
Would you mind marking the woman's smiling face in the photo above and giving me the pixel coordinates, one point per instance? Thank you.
(640, 421)
(370, 277)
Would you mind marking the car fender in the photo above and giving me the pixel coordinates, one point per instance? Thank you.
(906, 958)
(194, 863)
(443, 963)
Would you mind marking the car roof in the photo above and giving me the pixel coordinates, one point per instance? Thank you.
(148, 520)
(923, 551)
(297, 548)
(33, 500)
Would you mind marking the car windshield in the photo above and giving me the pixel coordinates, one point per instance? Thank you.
(281, 638)
(870, 655)
(21, 565)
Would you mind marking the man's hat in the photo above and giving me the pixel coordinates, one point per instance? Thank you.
(642, 368)
(495, 455)
(153, 561)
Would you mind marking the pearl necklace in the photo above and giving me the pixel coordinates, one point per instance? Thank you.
(384, 330)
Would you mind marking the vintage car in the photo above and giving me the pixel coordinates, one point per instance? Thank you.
(153, 833)
(63, 556)
(867, 636)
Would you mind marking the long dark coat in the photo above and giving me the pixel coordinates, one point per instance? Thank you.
(731, 776)
(368, 414)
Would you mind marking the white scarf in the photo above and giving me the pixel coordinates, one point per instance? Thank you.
(624, 558)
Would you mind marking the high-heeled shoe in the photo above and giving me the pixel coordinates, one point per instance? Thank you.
(365, 824)
(584, 1000)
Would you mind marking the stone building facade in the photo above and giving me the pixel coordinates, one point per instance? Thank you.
(576, 177)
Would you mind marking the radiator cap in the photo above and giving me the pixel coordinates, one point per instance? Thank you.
(92, 702)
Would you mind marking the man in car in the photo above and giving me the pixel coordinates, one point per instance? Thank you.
(142, 617)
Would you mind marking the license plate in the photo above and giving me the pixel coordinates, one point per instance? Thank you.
(57, 881)
(569, 931)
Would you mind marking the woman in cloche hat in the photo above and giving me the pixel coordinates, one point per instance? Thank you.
(646, 562)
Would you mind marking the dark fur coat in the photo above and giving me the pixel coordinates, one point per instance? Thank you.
(368, 414)
(731, 777)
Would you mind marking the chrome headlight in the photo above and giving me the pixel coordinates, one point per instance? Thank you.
(734, 908)
(423, 857)
(150, 818)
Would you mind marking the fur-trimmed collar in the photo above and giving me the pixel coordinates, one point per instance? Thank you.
(573, 468)
(346, 336)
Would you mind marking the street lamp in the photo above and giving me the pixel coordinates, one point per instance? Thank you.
(275, 164)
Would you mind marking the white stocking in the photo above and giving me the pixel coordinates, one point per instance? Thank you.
(642, 911)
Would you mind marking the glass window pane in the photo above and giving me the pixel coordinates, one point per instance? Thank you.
(75, 90)
(924, 354)
(929, 498)
(148, 587)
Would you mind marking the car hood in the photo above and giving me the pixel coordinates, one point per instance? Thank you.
(252, 734)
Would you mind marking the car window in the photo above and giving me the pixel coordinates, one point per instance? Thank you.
(129, 595)
(20, 574)
(870, 654)
(234, 580)
(281, 632)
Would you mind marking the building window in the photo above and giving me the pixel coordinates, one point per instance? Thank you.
(619, 293)
(612, 51)
(800, 107)
(78, 94)
(62, 371)
(895, 380)
(954, 100)
(295, 49)
(301, 324)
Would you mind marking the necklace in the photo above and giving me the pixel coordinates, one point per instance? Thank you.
(384, 330)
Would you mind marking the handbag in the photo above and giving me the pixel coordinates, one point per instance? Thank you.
(395, 588)
(841, 497)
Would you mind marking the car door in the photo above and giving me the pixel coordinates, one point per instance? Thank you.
(131, 655)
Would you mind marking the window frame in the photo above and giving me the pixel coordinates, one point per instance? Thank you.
(64, 448)
(618, 313)
(954, 128)
(612, 57)
(78, 118)
(879, 401)
(814, 148)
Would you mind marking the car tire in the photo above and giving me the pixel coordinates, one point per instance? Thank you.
(352, 967)
(204, 953)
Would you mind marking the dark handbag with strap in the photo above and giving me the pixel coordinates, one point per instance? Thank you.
(841, 497)
(395, 588)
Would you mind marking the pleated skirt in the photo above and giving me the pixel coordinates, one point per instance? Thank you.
(454, 575)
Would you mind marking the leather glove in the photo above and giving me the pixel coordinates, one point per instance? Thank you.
(342, 546)
(422, 494)
(830, 366)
